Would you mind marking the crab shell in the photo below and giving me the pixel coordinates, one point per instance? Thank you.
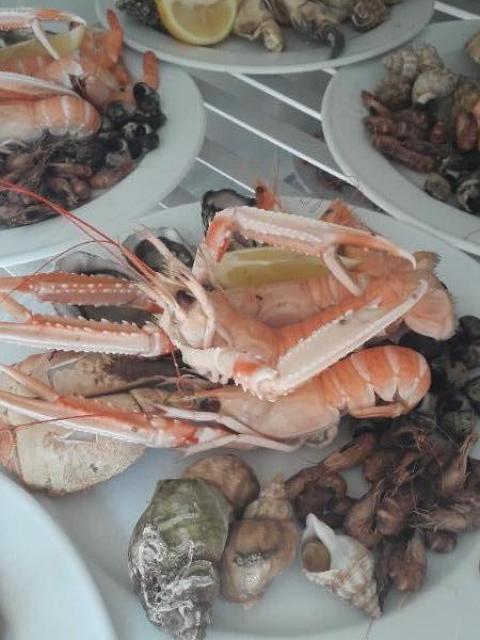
(351, 572)
(48, 458)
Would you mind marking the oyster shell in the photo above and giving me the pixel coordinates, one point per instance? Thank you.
(368, 14)
(350, 572)
(230, 475)
(394, 91)
(173, 555)
(259, 547)
(215, 201)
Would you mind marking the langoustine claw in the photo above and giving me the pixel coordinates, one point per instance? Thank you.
(30, 18)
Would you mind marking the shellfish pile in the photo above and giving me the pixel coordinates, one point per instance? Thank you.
(258, 20)
(426, 117)
(424, 484)
(77, 123)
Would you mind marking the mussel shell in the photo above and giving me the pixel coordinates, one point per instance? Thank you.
(472, 391)
(448, 371)
(428, 347)
(144, 249)
(455, 414)
(468, 194)
(215, 201)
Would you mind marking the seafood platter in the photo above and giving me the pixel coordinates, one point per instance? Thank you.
(229, 438)
(278, 36)
(405, 125)
(87, 125)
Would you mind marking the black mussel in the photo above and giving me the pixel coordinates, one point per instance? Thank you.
(144, 94)
(150, 141)
(133, 130)
(144, 249)
(456, 417)
(367, 425)
(155, 120)
(470, 326)
(451, 370)
(119, 112)
(106, 124)
(428, 347)
(472, 391)
(136, 149)
(215, 201)
(468, 194)
(468, 353)
(119, 155)
(457, 167)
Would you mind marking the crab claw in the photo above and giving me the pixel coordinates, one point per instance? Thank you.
(297, 233)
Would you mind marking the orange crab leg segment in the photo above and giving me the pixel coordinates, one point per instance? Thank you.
(70, 288)
(297, 233)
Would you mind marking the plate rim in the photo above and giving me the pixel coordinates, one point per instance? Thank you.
(276, 69)
(61, 539)
(12, 238)
(384, 200)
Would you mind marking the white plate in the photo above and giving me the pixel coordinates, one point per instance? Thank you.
(156, 175)
(237, 55)
(45, 590)
(100, 521)
(390, 185)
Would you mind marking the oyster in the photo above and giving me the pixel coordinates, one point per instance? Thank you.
(230, 475)
(341, 564)
(468, 194)
(394, 91)
(255, 20)
(173, 555)
(259, 547)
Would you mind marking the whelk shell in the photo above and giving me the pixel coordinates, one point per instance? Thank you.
(350, 572)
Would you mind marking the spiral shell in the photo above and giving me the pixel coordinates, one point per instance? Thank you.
(259, 547)
(230, 475)
(350, 570)
(173, 555)
(411, 61)
(432, 84)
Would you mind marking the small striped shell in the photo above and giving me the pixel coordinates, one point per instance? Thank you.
(351, 573)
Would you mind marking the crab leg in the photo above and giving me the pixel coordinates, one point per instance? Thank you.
(30, 18)
(297, 233)
(80, 289)
(71, 334)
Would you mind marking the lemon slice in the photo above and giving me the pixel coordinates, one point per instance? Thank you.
(264, 265)
(64, 43)
(199, 22)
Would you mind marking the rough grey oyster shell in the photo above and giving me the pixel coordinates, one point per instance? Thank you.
(173, 555)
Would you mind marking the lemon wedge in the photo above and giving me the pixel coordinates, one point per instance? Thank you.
(64, 43)
(199, 22)
(264, 265)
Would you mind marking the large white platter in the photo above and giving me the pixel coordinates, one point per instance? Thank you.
(393, 187)
(99, 521)
(237, 55)
(45, 589)
(156, 175)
